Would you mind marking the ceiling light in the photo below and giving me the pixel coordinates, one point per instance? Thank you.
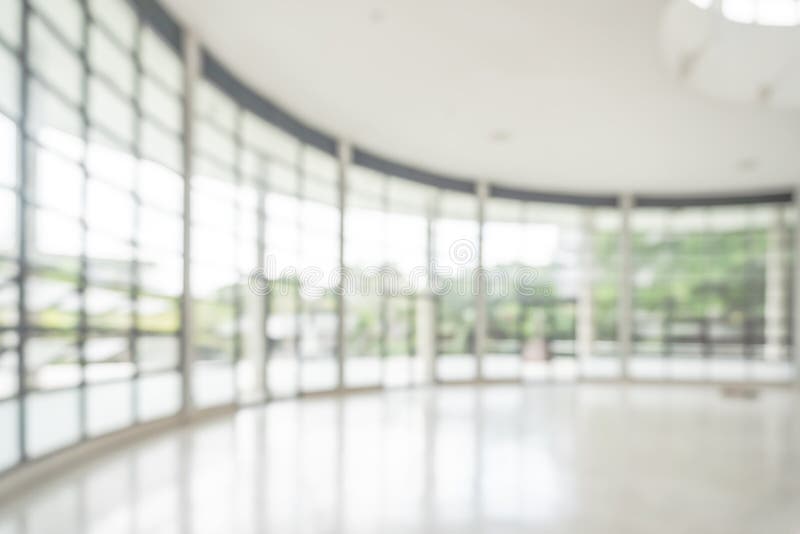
(500, 136)
(762, 12)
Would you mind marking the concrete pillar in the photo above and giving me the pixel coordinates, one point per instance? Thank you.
(191, 51)
(345, 155)
(256, 304)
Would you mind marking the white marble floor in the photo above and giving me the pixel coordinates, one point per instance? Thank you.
(493, 459)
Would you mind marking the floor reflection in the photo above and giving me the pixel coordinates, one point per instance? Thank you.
(458, 459)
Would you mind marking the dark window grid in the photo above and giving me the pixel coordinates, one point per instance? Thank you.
(134, 53)
(84, 330)
(32, 202)
(141, 115)
(55, 31)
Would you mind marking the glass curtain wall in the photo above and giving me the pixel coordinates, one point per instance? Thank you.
(505, 257)
(711, 298)
(282, 231)
(365, 257)
(301, 263)
(455, 257)
(386, 252)
(408, 207)
(319, 268)
(603, 228)
(532, 257)
(91, 254)
(218, 267)
(10, 232)
(92, 259)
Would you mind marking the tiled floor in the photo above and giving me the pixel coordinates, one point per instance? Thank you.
(494, 459)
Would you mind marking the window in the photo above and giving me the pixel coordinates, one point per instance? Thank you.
(10, 452)
(711, 292)
(365, 253)
(408, 208)
(100, 226)
(319, 263)
(455, 255)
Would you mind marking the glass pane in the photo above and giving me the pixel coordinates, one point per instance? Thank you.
(53, 301)
(156, 102)
(161, 147)
(158, 396)
(51, 421)
(269, 139)
(9, 83)
(108, 308)
(117, 16)
(10, 22)
(8, 152)
(9, 365)
(56, 235)
(9, 293)
(158, 314)
(215, 107)
(160, 274)
(213, 383)
(52, 362)
(107, 358)
(9, 433)
(160, 61)
(712, 287)
(66, 15)
(160, 187)
(160, 231)
(8, 224)
(58, 183)
(109, 407)
(56, 64)
(109, 210)
(54, 124)
(158, 353)
(106, 57)
(111, 111)
(110, 163)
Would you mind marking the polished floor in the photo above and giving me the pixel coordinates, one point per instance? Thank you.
(493, 459)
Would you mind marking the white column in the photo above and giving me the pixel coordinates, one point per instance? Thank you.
(796, 286)
(625, 304)
(775, 297)
(345, 154)
(191, 51)
(585, 323)
(482, 192)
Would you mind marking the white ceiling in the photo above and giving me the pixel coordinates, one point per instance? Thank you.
(731, 61)
(564, 95)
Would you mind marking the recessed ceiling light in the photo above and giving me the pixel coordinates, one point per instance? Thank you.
(376, 16)
(747, 164)
(500, 136)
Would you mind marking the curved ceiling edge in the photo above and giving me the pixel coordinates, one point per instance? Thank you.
(215, 71)
(161, 21)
